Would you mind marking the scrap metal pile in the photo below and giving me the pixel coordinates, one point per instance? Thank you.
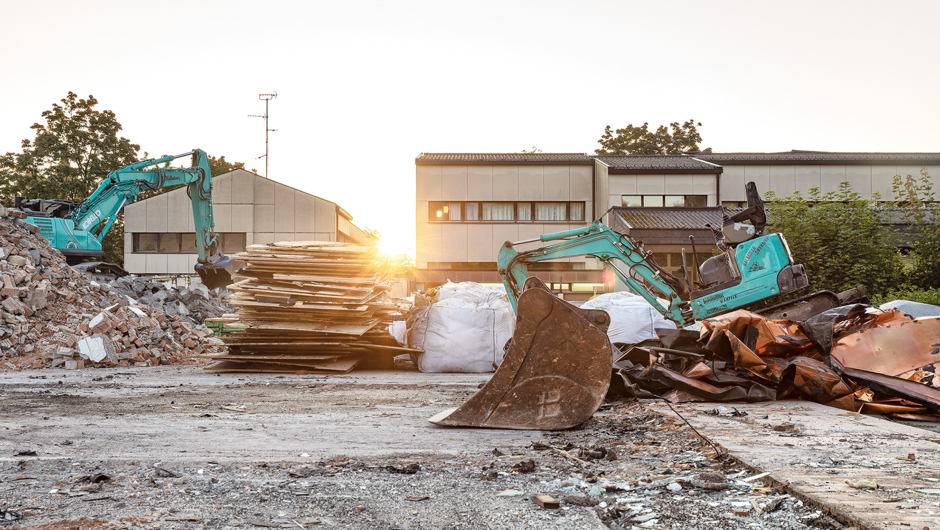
(854, 357)
(316, 307)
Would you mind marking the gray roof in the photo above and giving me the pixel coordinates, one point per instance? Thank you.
(697, 218)
(669, 218)
(439, 159)
(820, 158)
(643, 163)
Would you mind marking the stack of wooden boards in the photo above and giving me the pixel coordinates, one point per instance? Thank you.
(313, 306)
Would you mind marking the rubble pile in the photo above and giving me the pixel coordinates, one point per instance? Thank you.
(194, 304)
(855, 357)
(317, 307)
(53, 316)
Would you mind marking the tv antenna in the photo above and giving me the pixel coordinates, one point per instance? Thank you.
(266, 98)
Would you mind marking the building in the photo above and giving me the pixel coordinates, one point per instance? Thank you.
(159, 232)
(468, 204)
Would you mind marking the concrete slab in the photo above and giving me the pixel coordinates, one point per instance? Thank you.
(828, 446)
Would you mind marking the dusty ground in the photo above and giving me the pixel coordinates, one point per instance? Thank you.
(174, 447)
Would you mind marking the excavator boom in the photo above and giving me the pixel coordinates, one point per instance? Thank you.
(77, 229)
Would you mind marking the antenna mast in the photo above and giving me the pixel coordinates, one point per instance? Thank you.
(266, 98)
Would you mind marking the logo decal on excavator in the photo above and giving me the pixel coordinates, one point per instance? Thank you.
(757, 267)
(754, 251)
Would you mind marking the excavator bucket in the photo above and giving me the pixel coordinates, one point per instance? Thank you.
(555, 372)
(218, 274)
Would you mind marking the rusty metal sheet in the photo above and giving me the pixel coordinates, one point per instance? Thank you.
(554, 375)
(897, 387)
(813, 379)
(897, 344)
(747, 392)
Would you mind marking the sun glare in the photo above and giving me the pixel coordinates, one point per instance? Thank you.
(393, 244)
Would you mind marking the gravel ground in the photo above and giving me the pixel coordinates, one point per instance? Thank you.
(625, 468)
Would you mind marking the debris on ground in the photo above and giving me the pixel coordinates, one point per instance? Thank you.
(52, 316)
(194, 303)
(311, 306)
(855, 357)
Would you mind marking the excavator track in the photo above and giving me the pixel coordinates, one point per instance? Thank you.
(554, 375)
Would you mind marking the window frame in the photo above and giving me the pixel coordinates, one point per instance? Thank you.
(434, 206)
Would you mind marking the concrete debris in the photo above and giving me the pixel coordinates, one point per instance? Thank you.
(194, 304)
(52, 316)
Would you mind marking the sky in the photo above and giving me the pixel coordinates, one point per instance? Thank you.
(365, 86)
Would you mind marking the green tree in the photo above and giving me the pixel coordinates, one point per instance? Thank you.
(641, 141)
(840, 238)
(76, 147)
(220, 165)
(915, 197)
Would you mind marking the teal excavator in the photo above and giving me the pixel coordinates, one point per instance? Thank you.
(556, 369)
(78, 228)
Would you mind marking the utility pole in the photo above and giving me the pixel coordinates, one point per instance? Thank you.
(266, 98)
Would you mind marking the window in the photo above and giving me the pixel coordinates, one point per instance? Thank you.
(660, 201)
(169, 244)
(576, 211)
(233, 242)
(177, 243)
(188, 244)
(551, 211)
(471, 211)
(444, 211)
(505, 211)
(498, 211)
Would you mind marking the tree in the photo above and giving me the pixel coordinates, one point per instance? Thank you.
(915, 197)
(840, 238)
(72, 152)
(220, 165)
(641, 141)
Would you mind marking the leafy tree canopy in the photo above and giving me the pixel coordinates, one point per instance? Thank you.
(76, 147)
(73, 150)
(633, 140)
(221, 165)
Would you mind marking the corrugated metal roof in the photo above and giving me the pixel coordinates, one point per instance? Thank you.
(697, 218)
(669, 218)
(820, 157)
(436, 159)
(637, 163)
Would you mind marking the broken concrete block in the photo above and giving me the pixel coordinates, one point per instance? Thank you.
(74, 365)
(100, 324)
(97, 347)
(13, 305)
(17, 261)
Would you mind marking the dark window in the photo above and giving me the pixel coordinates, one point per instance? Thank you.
(233, 242)
(169, 244)
(181, 243)
(146, 242)
(188, 244)
(669, 201)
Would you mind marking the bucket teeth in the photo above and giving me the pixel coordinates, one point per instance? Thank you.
(554, 375)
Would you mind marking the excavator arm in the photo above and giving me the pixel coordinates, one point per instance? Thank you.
(84, 229)
(97, 213)
(644, 276)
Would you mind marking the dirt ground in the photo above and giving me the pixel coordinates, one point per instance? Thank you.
(175, 447)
